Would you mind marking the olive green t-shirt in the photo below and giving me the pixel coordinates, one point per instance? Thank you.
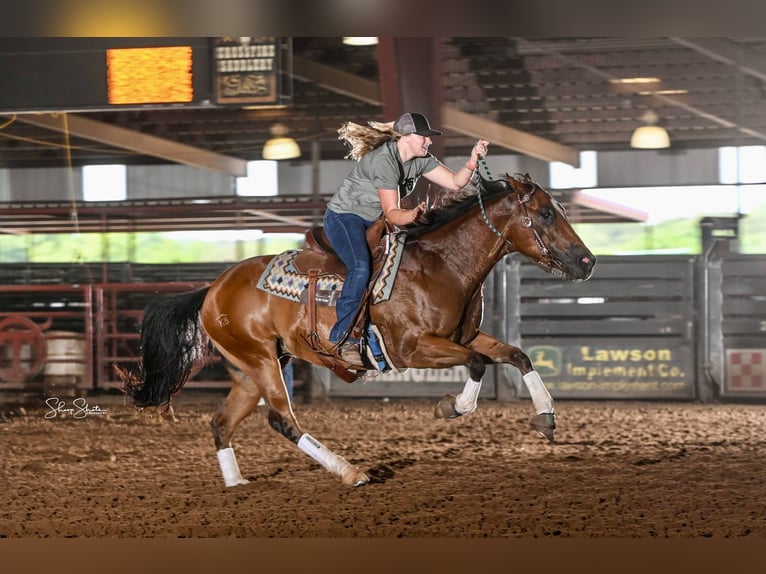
(382, 168)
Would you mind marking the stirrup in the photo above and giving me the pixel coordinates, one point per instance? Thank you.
(544, 424)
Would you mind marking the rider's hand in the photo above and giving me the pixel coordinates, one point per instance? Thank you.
(479, 150)
(417, 211)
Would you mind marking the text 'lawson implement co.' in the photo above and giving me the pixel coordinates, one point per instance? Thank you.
(613, 368)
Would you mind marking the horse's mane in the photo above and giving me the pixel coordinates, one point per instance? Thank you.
(364, 139)
(450, 205)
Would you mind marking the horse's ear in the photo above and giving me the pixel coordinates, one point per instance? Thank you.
(527, 179)
(494, 185)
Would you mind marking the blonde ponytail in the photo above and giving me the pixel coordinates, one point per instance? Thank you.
(363, 139)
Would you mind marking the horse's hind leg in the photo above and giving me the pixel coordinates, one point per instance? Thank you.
(243, 399)
(240, 402)
(282, 419)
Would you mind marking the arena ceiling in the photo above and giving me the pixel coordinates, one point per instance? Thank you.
(545, 97)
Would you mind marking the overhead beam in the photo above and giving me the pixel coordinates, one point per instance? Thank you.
(136, 141)
(727, 52)
(467, 124)
(498, 134)
(276, 217)
(604, 206)
(337, 80)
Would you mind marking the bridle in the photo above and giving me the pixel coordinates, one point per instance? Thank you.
(526, 221)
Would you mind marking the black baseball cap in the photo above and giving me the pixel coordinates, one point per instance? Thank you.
(411, 123)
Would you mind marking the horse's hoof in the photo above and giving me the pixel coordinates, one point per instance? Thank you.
(445, 409)
(362, 481)
(355, 477)
(545, 424)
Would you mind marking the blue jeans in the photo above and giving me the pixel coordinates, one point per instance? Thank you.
(346, 233)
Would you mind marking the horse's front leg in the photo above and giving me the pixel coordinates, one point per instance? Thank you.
(544, 422)
(453, 406)
(443, 353)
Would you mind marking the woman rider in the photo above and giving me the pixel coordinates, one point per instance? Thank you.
(391, 157)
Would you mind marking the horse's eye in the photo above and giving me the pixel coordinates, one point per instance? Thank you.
(547, 214)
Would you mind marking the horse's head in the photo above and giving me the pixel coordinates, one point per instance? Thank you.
(537, 226)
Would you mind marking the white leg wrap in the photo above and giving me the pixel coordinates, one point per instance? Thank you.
(229, 467)
(541, 398)
(324, 456)
(465, 402)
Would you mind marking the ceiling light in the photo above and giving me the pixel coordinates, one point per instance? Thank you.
(280, 146)
(637, 80)
(650, 136)
(663, 92)
(360, 40)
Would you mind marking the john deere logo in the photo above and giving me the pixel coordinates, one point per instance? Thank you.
(545, 359)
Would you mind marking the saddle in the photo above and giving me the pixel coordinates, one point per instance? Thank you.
(320, 259)
(317, 242)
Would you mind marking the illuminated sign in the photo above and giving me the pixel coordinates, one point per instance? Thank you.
(74, 74)
(149, 75)
(247, 70)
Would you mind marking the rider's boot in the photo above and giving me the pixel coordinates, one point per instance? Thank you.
(349, 352)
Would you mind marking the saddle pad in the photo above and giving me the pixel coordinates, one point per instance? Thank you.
(282, 278)
(381, 291)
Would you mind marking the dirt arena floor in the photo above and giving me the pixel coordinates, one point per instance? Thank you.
(617, 469)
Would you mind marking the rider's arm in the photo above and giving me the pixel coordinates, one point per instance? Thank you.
(389, 201)
(456, 180)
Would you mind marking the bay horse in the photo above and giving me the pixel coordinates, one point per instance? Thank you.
(431, 320)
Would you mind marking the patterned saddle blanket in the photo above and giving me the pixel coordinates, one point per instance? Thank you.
(282, 278)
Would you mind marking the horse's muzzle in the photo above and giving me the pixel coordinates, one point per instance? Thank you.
(585, 263)
(577, 264)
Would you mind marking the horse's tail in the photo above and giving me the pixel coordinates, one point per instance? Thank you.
(173, 344)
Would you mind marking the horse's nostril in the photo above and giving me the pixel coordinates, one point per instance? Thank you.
(587, 262)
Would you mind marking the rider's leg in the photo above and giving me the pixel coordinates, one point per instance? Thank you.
(346, 232)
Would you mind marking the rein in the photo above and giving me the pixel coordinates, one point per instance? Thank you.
(526, 221)
(495, 230)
